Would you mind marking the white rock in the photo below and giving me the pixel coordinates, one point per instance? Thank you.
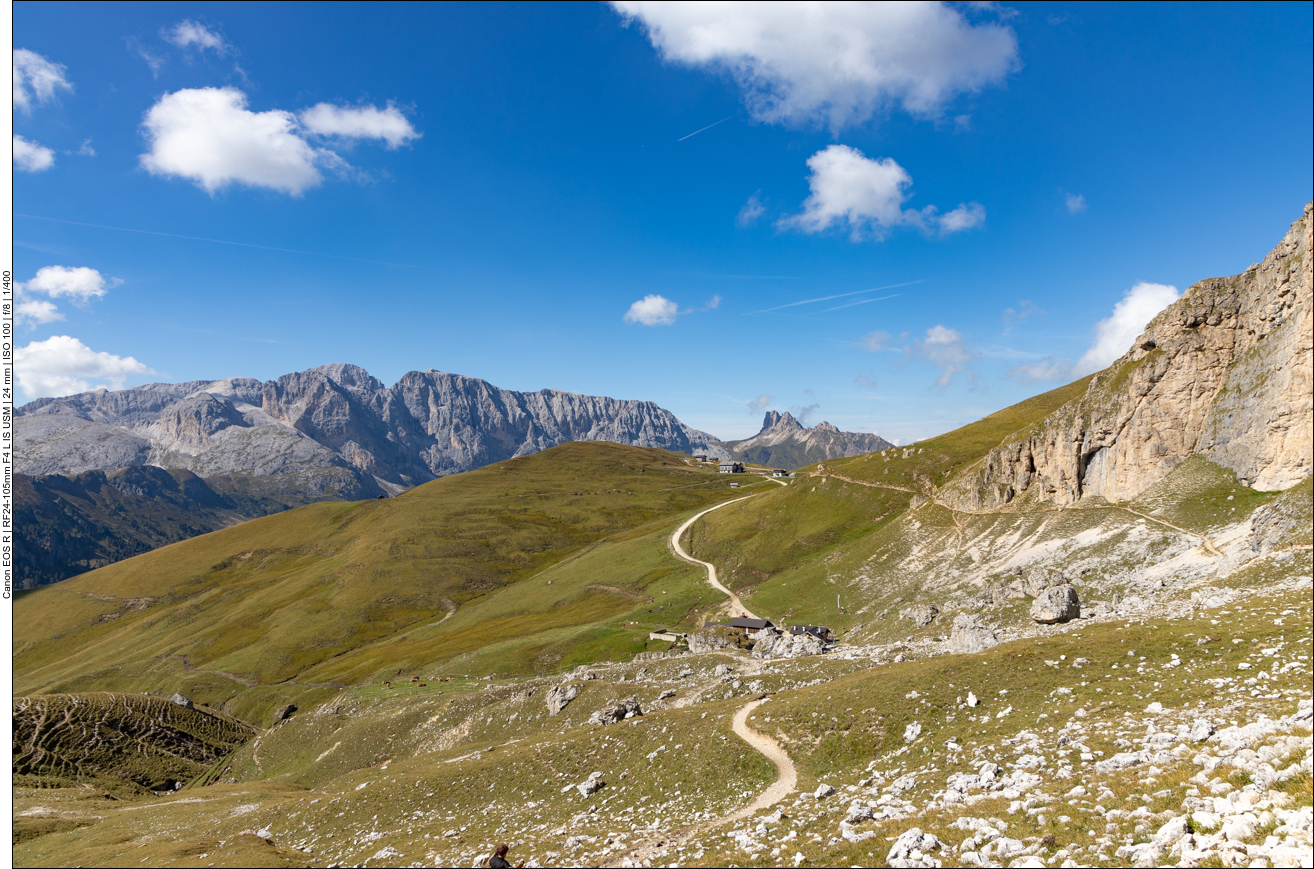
(1201, 730)
(912, 731)
(1168, 835)
(823, 791)
(971, 700)
(912, 849)
(1155, 708)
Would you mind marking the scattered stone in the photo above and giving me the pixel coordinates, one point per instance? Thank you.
(858, 812)
(559, 696)
(921, 614)
(1055, 605)
(969, 636)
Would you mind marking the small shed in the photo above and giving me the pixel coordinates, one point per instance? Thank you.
(749, 626)
(819, 631)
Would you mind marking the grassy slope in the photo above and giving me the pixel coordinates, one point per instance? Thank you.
(304, 597)
(794, 540)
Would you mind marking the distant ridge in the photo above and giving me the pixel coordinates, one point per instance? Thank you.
(785, 442)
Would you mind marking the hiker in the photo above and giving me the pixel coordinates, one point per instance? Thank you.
(498, 860)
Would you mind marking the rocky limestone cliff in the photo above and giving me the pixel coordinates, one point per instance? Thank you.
(784, 442)
(335, 428)
(1224, 372)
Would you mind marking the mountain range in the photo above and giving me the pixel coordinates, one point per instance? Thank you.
(247, 448)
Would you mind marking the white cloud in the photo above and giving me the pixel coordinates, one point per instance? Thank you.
(752, 210)
(867, 195)
(762, 402)
(80, 284)
(36, 79)
(653, 310)
(31, 157)
(946, 348)
(1076, 203)
(62, 365)
(963, 217)
(1114, 334)
(187, 33)
(833, 63)
(874, 341)
(36, 312)
(1024, 309)
(1047, 369)
(363, 122)
(209, 136)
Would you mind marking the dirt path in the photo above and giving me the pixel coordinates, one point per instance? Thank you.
(1204, 540)
(783, 785)
(770, 749)
(736, 605)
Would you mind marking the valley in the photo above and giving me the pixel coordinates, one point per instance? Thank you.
(1075, 632)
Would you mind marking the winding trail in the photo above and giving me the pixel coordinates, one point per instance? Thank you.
(735, 603)
(782, 787)
(771, 749)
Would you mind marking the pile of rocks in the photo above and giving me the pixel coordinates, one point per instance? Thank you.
(619, 711)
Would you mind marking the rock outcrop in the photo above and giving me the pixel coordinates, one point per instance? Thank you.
(774, 644)
(1224, 372)
(559, 696)
(783, 442)
(920, 614)
(617, 712)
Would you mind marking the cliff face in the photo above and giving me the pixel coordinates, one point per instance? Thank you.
(784, 442)
(335, 422)
(1224, 372)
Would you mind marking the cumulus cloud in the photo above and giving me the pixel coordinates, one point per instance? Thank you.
(36, 79)
(1076, 203)
(1047, 369)
(837, 64)
(35, 312)
(752, 210)
(209, 136)
(850, 189)
(31, 157)
(62, 365)
(946, 348)
(761, 403)
(187, 33)
(362, 122)
(653, 310)
(79, 284)
(1114, 334)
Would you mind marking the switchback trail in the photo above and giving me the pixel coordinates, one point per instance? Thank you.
(736, 605)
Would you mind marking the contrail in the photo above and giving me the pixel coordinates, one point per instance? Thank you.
(863, 302)
(839, 296)
(215, 241)
(708, 127)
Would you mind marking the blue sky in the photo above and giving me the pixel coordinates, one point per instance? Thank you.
(987, 201)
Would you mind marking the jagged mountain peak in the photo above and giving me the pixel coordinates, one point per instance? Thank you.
(775, 419)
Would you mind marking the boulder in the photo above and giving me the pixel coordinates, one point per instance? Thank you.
(591, 785)
(1056, 604)
(823, 791)
(182, 701)
(913, 849)
(921, 614)
(771, 644)
(627, 708)
(969, 636)
(1201, 730)
(285, 712)
(911, 732)
(559, 697)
